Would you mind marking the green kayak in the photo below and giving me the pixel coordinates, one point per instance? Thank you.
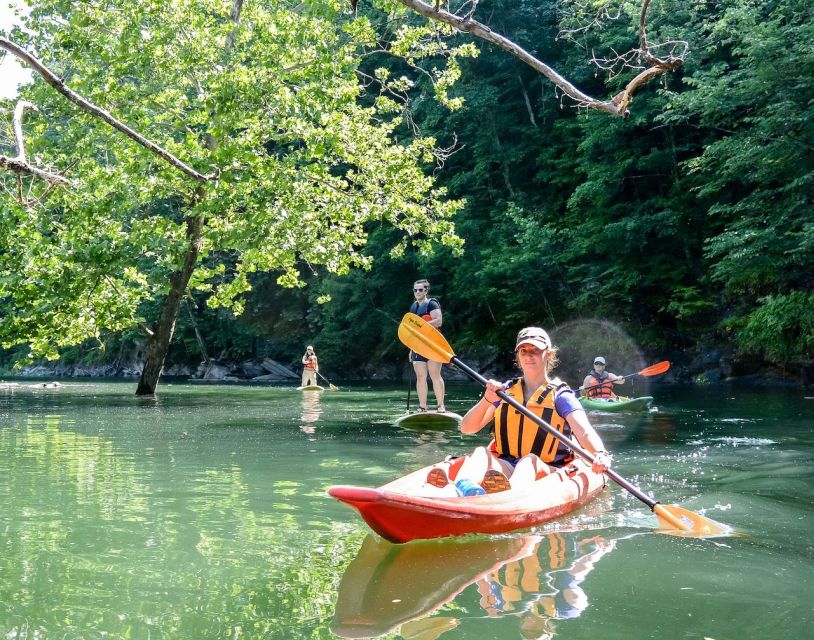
(618, 404)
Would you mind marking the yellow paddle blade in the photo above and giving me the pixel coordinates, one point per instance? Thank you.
(678, 521)
(424, 339)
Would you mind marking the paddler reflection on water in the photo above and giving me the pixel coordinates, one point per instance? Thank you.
(404, 589)
(311, 411)
(521, 452)
(542, 591)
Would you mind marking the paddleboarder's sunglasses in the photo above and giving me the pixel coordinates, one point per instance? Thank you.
(599, 364)
(419, 289)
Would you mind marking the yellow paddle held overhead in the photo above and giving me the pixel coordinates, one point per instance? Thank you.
(420, 336)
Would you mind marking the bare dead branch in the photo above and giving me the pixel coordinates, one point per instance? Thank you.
(20, 164)
(23, 168)
(468, 25)
(92, 109)
(527, 100)
(17, 123)
(237, 7)
(618, 105)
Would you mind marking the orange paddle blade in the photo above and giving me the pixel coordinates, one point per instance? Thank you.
(655, 369)
(420, 336)
(678, 521)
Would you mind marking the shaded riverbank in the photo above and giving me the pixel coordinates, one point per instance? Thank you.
(702, 369)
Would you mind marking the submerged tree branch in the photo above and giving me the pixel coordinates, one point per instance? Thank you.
(88, 107)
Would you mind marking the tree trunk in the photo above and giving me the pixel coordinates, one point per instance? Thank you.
(164, 327)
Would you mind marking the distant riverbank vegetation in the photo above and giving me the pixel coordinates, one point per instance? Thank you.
(688, 224)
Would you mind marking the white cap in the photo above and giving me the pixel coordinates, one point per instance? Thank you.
(534, 336)
(599, 360)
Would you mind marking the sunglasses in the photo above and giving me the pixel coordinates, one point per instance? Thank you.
(419, 290)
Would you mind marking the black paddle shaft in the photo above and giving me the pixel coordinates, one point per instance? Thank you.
(627, 486)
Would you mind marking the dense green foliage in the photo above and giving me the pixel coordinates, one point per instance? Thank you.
(689, 224)
(304, 161)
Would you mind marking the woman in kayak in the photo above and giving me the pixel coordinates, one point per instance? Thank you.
(599, 383)
(521, 451)
(430, 310)
(310, 366)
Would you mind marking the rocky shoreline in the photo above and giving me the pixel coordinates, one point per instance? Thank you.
(260, 370)
(709, 369)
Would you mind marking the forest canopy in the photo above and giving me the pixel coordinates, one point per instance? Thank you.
(688, 223)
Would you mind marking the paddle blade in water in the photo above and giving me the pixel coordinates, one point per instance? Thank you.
(424, 339)
(678, 521)
(655, 369)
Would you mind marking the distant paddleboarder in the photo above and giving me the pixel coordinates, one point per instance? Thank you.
(430, 310)
(310, 367)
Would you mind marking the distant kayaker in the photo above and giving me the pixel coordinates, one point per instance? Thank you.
(310, 366)
(430, 310)
(599, 383)
(521, 452)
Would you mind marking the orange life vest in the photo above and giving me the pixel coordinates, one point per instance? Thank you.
(515, 435)
(604, 388)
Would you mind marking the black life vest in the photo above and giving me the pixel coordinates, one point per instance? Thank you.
(423, 309)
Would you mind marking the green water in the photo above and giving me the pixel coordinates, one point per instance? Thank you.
(203, 514)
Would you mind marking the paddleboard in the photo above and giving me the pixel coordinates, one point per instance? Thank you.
(312, 387)
(429, 420)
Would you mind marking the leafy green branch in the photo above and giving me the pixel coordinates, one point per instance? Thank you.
(87, 106)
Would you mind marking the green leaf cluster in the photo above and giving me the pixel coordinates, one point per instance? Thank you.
(307, 166)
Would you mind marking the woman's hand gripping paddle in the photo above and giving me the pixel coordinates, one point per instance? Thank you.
(653, 370)
(427, 341)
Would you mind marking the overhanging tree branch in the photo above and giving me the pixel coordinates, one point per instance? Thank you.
(618, 105)
(91, 108)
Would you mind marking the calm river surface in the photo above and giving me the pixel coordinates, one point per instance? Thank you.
(203, 514)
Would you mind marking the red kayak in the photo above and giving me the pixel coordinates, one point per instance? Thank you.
(409, 509)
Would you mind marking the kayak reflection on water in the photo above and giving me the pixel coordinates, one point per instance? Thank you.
(536, 578)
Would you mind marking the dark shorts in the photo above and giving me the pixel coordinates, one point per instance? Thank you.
(414, 357)
(512, 460)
